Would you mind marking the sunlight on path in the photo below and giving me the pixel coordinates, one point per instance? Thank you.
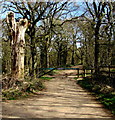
(62, 99)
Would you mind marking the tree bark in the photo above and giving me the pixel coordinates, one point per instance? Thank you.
(96, 62)
(17, 31)
(43, 55)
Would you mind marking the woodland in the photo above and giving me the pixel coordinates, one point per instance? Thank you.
(59, 34)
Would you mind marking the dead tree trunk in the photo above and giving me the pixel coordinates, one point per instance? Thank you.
(17, 33)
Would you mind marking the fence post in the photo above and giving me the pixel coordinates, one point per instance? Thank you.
(91, 72)
(84, 72)
(109, 71)
(78, 72)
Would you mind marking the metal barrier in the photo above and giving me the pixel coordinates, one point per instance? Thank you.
(82, 72)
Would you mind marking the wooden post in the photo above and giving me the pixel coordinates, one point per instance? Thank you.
(78, 72)
(17, 33)
(91, 73)
(109, 72)
(84, 72)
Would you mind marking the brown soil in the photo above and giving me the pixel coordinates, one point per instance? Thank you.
(63, 98)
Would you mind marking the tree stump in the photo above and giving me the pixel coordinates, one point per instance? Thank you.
(17, 34)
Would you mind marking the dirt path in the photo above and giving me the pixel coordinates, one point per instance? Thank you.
(62, 99)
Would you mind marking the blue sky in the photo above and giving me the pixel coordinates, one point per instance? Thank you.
(79, 2)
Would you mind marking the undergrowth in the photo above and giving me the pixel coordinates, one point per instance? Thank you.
(25, 89)
(106, 98)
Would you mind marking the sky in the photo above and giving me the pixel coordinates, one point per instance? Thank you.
(78, 2)
(4, 14)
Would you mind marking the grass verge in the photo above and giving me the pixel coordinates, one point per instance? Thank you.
(46, 78)
(106, 98)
